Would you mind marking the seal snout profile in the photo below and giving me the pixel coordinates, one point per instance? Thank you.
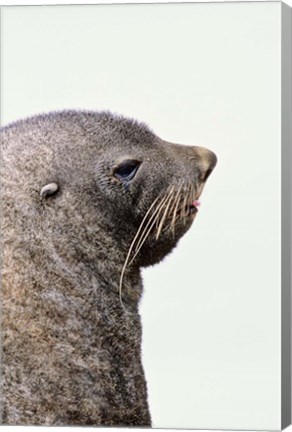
(88, 199)
(208, 161)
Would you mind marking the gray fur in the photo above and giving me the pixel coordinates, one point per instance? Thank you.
(70, 353)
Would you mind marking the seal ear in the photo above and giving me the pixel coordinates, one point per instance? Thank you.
(48, 190)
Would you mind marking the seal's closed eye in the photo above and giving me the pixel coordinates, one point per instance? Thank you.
(126, 170)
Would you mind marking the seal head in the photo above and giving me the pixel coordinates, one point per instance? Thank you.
(88, 199)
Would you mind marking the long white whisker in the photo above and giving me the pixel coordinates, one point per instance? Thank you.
(152, 220)
(185, 203)
(182, 211)
(130, 251)
(144, 238)
(176, 208)
(164, 215)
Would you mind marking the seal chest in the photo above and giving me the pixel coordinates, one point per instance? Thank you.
(89, 198)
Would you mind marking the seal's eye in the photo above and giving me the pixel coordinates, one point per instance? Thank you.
(126, 170)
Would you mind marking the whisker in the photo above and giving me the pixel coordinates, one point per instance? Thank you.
(157, 210)
(185, 202)
(193, 193)
(162, 205)
(144, 238)
(165, 201)
(164, 215)
(174, 201)
(130, 251)
(182, 208)
(145, 234)
(154, 216)
(177, 198)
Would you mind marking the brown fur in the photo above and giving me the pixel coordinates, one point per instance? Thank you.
(71, 350)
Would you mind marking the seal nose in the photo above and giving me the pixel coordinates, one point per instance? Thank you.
(208, 161)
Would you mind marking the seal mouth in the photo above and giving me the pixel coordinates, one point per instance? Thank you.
(192, 208)
(195, 203)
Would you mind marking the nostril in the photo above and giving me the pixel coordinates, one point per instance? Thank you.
(207, 162)
(208, 172)
(213, 161)
(211, 165)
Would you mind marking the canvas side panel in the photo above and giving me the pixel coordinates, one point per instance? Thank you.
(1, 42)
(286, 215)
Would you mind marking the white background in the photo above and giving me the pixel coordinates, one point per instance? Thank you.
(198, 74)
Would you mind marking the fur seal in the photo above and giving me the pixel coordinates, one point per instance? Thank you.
(88, 198)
